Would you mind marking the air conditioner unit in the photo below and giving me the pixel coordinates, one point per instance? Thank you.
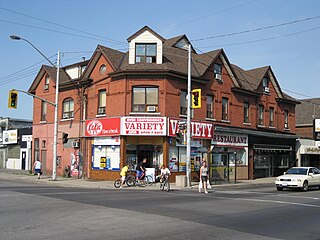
(65, 115)
(151, 108)
(266, 90)
(218, 76)
(101, 111)
(76, 144)
(46, 87)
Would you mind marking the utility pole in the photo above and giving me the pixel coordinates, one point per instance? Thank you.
(188, 170)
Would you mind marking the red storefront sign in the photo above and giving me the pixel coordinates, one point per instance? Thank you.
(103, 127)
(198, 129)
(145, 126)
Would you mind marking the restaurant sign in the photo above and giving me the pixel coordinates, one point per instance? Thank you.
(229, 139)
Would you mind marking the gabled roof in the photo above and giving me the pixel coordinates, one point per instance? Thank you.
(307, 111)
(145, 28)
(52, 72)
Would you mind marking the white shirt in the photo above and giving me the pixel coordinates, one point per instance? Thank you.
(165, 171)
(37, 164)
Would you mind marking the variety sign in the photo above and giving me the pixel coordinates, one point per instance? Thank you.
(103, 127)
(144, 126)
(198, 129)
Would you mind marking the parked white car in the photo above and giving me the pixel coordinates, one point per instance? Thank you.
(299, 178)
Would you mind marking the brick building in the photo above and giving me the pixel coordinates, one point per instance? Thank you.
(308, 144)
(119, 107)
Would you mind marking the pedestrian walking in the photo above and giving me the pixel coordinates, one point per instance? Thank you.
(37, 168)
(204, 176)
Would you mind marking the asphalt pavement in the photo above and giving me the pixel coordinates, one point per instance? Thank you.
(21, 175)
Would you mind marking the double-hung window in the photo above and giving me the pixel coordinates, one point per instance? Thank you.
(43, 111)
(246, 112)
(286, 119)
(209, 106)
(183, 103)
(102, 102)
(260, 115)
(146, 53)
(68, 108)
(271, 117)
(217, 68)
(145, 99)
(225, 103)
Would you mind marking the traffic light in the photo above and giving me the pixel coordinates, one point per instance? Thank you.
(65, 137)
(13, 99)
(196, 98)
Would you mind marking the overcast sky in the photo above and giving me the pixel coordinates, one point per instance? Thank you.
(284, 34)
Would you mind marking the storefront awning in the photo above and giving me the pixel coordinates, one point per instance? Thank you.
(255, 133)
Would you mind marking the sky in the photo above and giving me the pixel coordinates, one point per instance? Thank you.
(283, 34)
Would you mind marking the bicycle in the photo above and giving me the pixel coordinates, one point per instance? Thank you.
(129, 181)
(164, 183)
(144, 180)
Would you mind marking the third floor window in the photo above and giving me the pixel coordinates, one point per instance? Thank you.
(146, 53)
(271, 117)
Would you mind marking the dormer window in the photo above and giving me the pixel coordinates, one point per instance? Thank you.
(146, 53)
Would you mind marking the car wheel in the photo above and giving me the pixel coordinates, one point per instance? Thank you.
(279, 188)
(305, 186)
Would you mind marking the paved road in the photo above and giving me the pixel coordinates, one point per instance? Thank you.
(32, 210)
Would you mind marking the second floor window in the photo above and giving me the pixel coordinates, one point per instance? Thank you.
(209, 106)
(43, 111)
(183, 103)
(102, 102)
(146, 53)
(246, 112)
(145, 99)
(68, 108)
(225, 103)
(271, 117)
(260, 115)
(286, 119)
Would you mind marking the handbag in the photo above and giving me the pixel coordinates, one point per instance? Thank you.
(208, 184)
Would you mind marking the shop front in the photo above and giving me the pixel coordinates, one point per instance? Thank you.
(308, 153)
(144, 137)
(229, 160)
(201, 134)
(103, 137)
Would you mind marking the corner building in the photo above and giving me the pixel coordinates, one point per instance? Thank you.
(120, 107)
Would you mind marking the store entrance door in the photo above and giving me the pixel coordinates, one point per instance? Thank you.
(145, 151)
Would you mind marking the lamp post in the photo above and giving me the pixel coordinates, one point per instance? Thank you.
(188, 170)
(55, 134)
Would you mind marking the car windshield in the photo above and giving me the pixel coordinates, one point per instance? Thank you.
(298, 171)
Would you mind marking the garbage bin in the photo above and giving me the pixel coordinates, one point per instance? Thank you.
(181, 181)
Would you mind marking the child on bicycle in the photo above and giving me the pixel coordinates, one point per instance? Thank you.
(164, 172)
(123, 174)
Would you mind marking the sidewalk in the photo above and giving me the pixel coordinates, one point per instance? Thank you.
(24, 176)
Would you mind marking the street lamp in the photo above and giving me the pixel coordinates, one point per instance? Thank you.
(55, 134)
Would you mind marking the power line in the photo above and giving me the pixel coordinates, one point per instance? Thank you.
(51, 30)
(214, 13)
(60, 25)
(264, 39)
(257, 29)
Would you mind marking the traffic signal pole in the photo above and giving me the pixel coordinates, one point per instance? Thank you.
(188, 170)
